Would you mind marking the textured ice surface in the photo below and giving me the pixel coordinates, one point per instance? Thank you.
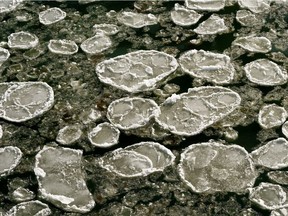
(108, 29)
(205, 5)
(64, 47)
(213, 67)
(136, 71)
(4, 55)
(211, 167)
(256, 6)
(131, 113)
(96, 44)
(254, 44)
(9, 5)
(279, 177)
(271, 116)
(136, 20)
(51, 15)
(30, 208)
(183, 16)
(190, 113)
(10, 157)
(21, 101)
(246, 18)
(104, 135)
(265, 72)
(22, 194)
(69, 134)
(61, 179)
(273, 155)
(269, 196)
(22, 40)
(213, 25)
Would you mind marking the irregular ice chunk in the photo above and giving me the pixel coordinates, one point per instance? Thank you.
(64, 47)
(211, 167)
(22, 194)
(279, 212)
(265, 72)
(253, 44)
(271, 116)
(69, 134)
(51, 15)
(205, 5)
(21, 101)
(136, 71)
(273, 155)
(96, 44)
(108, 29)
(104, 135)
(213, 25)
(22, 40)
(8, 5)
(131, 113)
(30, 208)
(61, 180)
(285, 129)
(246, 18)
(10, 157)
(4, 55)
(269, 196)
(183, 16)
(136, 20)
(190, 113)
(279, 177)
(213, 67)
(256, 6)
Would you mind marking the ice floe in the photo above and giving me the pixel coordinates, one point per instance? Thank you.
(10, 157)
(51, 15)
(136, 20)
(213, 25)
(30, 208)
(253, 44)
(205, 5)
(69, 134)
(183, 16)
(64, 47)
(272, 115)
(22, 40)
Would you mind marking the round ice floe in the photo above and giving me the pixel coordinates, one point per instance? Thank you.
(265, 72)
(64, 47)
(51, 15)
(96, 44)
(253, 44)
(21, 101)
(131, 113)
(4, 55)
(213, 67)
(212, 167)
(279, 177)
(104, 135)
(61, 179)
(190, 113)
(205, 5)
(136, 20)
(9, 5)
(136, 71)
(213, 25)
(273, 155)
(256, 6)
(271, 116)
(108, 29)
(22, 40)
(183, 16)
(269, 196)
(246, 18)
(10, 157)
(69, 134)
(35, 208)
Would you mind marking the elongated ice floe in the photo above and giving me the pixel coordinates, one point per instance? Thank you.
(31, 208)
(22, 40)
(64, 47)
(213, 167)
(254, 44)
(9, 5)
(108, 29)
(271, 116)
(213, 67)
(21, 101)
(205, 5)
(136, 20)
(213, 25)
(190, 113)
(4, 55)
(61, 180)
(10, 157)
(96, 44)
(265, 72)
(256, 6)
(183, 16)
(136, 71)
(51, 15)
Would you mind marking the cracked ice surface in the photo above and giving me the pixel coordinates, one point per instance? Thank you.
(273, 155)
(136, 71)
(213, 25)
(136, 20)
(271, 116)
(131, 113)
(61, 180)
(254, 44)
(205, 5)
(211, 167)
(183, 16)
(190, 113)
(10, 157)
(30, 208)
(22, 40)
(21, 101)
(213, 67)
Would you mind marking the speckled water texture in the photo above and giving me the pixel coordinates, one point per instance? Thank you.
(132, 108)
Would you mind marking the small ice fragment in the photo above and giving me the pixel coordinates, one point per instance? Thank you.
(10, 157)
(136, 20)
(69, 134)
(22, 40)
(182, 16)
(253, 44)
(96, 44)
(271, 116)
(51, 15)
(64, 47)
(205, 5)
(213, 25)
(30, 208)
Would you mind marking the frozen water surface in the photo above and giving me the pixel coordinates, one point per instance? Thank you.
(10, 157)
(51, 15)
(213, 25)
(64, 47)
(211, 167)
(22, 40)
(69, 134)
(213, 67)
(9, 5)
(136, 20)
(205, 5)
(183, 16)
(279, 177)
(271, 116)
(96, 44)
(30, 208)
(254, 44)
(108, 29)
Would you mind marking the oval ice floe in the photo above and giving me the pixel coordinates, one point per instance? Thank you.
(22, 40)
(96, 44)
(271, 116)
(21, 101)
(30, 208)
(69, 134)
(183, 16)
(64, 47)
(213, 67)
(190, 113)
(253, 44)
(265, 72)
(213, 167)
(246, 18)
(205, 5)
(108, 29)
(136, 20)
(213, 25)
(10, 157)
(51, 15)
(136, 71)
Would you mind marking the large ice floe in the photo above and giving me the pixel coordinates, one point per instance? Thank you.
(136, 71)
(211, 167)
(131, 113)
(51, 15)
(139, 159)
(205, 5)
(213, 67)
(254, 44)
(213, 25)
(10, 157)
(272, 115)
(30, 208)
(64, 47)
(61, 180)
(183, 16)
(190, 113)
(9, 5)
(136, 20)
(22, 40)
(21, 101)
